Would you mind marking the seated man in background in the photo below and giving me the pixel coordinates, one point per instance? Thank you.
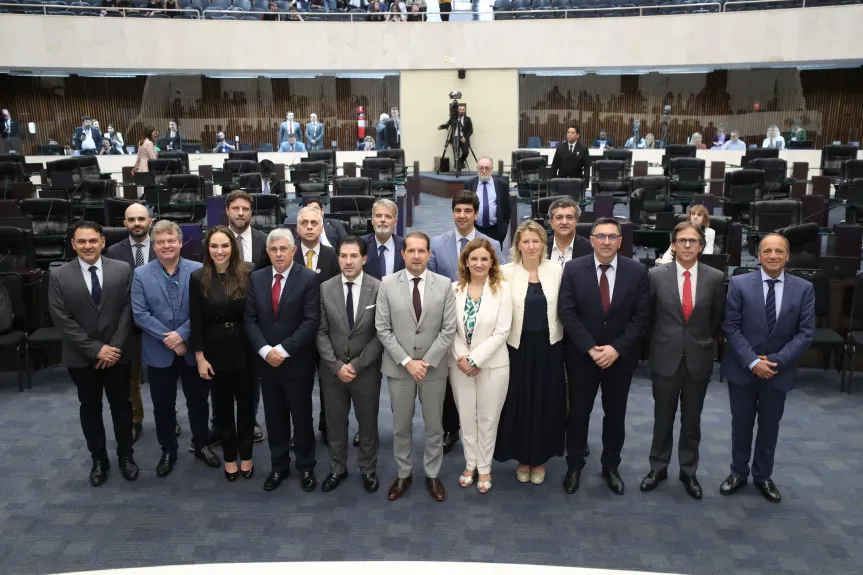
(734, 143)
(603, 141)
(292, 145)
(222, 145)
(269, 182)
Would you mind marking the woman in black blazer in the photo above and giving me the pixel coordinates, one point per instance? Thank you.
(217, 301)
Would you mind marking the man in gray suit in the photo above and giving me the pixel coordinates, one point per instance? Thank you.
(90, 303)
(350, 366)
(688, 305)
(416, 323)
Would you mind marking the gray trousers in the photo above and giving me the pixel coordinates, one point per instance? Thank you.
(403, 394)
(365, 393)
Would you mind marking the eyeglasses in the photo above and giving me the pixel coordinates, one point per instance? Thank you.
(686, 242)
(606, 237)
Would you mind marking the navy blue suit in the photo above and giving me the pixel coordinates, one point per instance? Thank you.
(585, 326)
(372, 265)
(287, 389)
(747, 334)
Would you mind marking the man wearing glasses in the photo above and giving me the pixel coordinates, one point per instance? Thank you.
(493, 193)
(603, 306)
(564, 244)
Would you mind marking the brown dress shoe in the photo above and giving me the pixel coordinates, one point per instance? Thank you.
(398, 488)
(436, 488)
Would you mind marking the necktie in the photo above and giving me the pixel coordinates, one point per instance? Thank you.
(486, 216)
(276, 292)
(266, 186)
(292, 149)
(771, 304)
(309, 255)
(418, 302)
(240, 246)
(461, 245)
(349, 305)
(139, 255)
(687, 295)
(604, 291)
(382, 261)
(96, 287)
(571, 148)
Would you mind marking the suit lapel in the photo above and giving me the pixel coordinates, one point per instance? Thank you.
(287, 283)
(460, 299)
(398, 260)
(669, 285)
(80, 284)
(759, 294)
(701, 289)
(428, 289)
(449, 249)
(592, 284)
(157, 272)
(365, 296)
(184, 281)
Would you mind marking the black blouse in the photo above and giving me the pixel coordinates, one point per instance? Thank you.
(217, 324)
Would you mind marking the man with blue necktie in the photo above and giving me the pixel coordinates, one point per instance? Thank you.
(769, 322)
(494, 207)
(383, 247)
(292, 145)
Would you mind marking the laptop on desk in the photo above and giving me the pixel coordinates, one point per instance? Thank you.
(840, 267)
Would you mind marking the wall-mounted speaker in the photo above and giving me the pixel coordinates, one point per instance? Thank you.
(461, 73)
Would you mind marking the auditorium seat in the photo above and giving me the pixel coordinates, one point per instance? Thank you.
(51, 217)
(266, 211)
(776, 184)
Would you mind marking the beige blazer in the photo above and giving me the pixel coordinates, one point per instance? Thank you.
(493, 322)
(549, 276)
(146, 152)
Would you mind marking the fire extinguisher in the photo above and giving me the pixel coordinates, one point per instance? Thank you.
(361, 123)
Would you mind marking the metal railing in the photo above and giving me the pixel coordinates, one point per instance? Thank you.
(63, 9)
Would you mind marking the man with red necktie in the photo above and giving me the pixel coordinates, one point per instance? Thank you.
(688, 305)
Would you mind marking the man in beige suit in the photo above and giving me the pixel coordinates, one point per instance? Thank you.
(416, 323)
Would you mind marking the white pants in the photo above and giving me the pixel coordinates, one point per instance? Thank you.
(479, 400)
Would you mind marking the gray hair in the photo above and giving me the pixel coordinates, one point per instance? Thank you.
(167, 227)
(561, 204)
(388, 204)
(696, 136)
(280, 234)
(486, 158)
(315, 211)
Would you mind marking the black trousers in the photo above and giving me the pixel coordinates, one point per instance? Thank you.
(585, 380)
(163, 391)
(115, 383)
(445, 9)
(464, 149)
(234, 386)
(288, 400)
(450, 421)
(667, 393)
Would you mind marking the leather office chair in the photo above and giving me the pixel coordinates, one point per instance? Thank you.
(529, 179)
(248, 155)
(649, 197)
(676, 151)
(742, 187)
(824, 338)
(776, 184)
(344, 186)
(852, 169)
(328, 156)
(518, 154)
(310, 189)
(19, 159)
(772, 215)
(185, 196)
(805, 245)
(51, 218)
(539, 209)
(572, 187)
(89, 198)
(686, 175)
(14, 338)
(237, 167)
(175, 155)
(266, 211)
(832, 158)
(609, 176)
(114, 235)
(620, 155)
(161, 168)
(399, 157)
(16, 249)
(757, 154)
(386, 167)
(10, 173)
(116, 210)
(317, 171)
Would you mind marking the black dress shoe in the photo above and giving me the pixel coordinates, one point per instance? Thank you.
(769, 490)
(613, 480)
(206, 455)
(357, 439)
(652, 479)
(166, 464)
(331, 481)
(273, 480)
(177, 430)
(232, 475)
(449, 441)
(128, 468)
(731, 484)
(307, 481)
(690, 483)
(571, 480)
(214, 437)
(398, 488)
(370, 482)
(137, 428)
(258, 435)
(248, 474)
(99, 472)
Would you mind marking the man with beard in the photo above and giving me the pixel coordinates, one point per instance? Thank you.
(383, 247)
(493, 193)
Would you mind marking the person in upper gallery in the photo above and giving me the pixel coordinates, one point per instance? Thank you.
(687, 305)
(222, 146)
(89, 301)
(734, 142)
(314, 133)
(769, 323)
(697, 140)
(565, 244)
(160, 305)
(146, 150)
(571, 158)
(698, 215)
(9, 126)
(118, 145)
(532, 424)
(604, 307)
(350, 366)
(479, 362)
(173, 139)
(217, 303)
(383, 247)
(283, 307)
(334, 230)
(493, 194)
(774, 139)
(86, 138)
(288, 127)
(603, 141)
(292, 145)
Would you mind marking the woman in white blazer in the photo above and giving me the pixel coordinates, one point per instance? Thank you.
(479, 363)
(532, 424)
(697, 215)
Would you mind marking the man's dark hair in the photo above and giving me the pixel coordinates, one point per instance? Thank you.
(418, 235)
(352, 241)
(688, 226)
(267, 167)
(574, 127)
(605, 221)
(238, 195)
(86, 225)
(465, 197)
(310, 201)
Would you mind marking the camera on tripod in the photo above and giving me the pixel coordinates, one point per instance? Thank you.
(453, 110)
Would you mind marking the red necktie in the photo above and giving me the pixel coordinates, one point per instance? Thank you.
(276, 292)
(604, 291)
(687, 296)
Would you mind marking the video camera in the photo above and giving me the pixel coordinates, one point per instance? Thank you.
(453, 110)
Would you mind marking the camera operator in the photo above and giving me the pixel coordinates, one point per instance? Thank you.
(86, 137)
(221, 145)
(464, 129)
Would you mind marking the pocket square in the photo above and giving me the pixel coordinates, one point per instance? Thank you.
(370, 306)
(317, 271)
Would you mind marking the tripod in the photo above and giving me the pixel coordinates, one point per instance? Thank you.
(452, 140)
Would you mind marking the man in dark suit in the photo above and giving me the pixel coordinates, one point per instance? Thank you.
(603, 306)
(9, 126)
(564, 244)
(391, 135)
(493, 194)
(90, 304)
(383, 247)
(334, 230)
(252, 242)
(267, 183)
(571, 158)
(603, 141)
(87, 138)
(464, 130)
(283, 307)
(769, 322)
(687, 305)
(136, 250)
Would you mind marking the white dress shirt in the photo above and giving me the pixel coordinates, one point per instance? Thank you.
(315, 256)
(145, 251)
(281, 350)
(610, 274)
(693, 280)
(245, 241)
(778, 291)
(422, 288)
(458, 238)
(777, 142)
(492, 202)
(85, 269)
(566, 255)
(358, 283)
(389, 253)
(88, 143)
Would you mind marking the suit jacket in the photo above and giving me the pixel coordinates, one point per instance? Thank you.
(580, 247)
(584, 322)
(391, 135)
(175, 143)
(671, 337)
(15, 130)
(443, 259)
(571, 165)
(284, 132)
(501, 191)
(299, 146)
(337, 343)
(745, 328)
(372, 266)
(402, 334)
(315, 132)
(518, 278)
(84, 326)
(467, 129)
(493, 322)
(277, 186)
(608, 143)
(152, 311)
(328, 262)
(294, 325)
(79, 132)
(122, 251)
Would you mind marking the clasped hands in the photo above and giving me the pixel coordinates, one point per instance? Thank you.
(764, 369)
(174, 342)
(603, 355)
(417, 368)
(466, 368)
(107, 356)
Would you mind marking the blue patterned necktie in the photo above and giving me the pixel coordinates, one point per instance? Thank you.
(771, 304)
(461, 244)
(382, 261)
(96, 287)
